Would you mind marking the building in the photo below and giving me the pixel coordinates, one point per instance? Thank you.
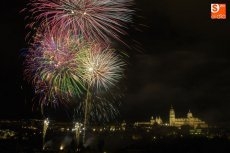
(173, 121)
(190, 120)
(151, 122)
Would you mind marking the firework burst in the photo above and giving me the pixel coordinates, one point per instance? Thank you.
(51, 66)
(101, 67)
(101, 70)
(91, 19)
(62, 68)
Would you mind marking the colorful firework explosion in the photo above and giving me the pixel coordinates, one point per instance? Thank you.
(101, 67)
(61, 68)
(91, 19)
(51, 66)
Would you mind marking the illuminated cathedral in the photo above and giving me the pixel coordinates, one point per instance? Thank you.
(190, 120)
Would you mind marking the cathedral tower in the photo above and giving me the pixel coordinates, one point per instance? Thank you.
(189, 115)
(171, 116)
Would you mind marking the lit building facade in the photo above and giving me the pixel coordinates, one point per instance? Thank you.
(152, 121)
(190, 120)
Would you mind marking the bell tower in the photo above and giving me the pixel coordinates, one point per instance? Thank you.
(189, 115)
(171, 116)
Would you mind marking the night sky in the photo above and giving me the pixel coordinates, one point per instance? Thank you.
(183, 60)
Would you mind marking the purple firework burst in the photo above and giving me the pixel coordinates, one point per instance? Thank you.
(91, 19)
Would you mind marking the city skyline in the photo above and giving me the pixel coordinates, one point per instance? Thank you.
(184, 61)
